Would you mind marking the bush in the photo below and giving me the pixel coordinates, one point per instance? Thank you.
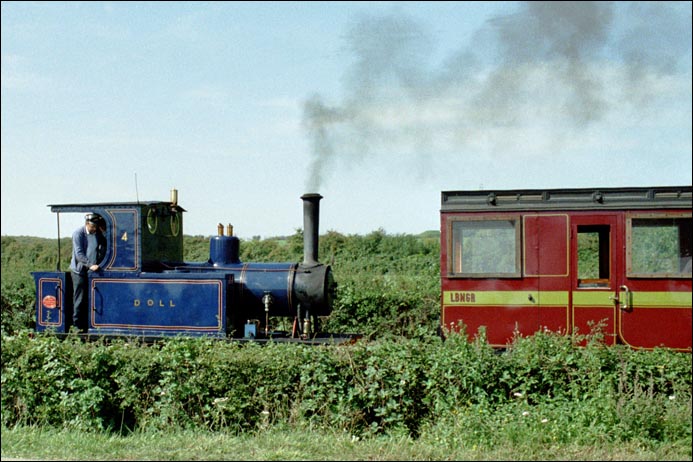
(18, 308)
(393, 386)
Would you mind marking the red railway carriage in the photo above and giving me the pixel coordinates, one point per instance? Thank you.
(567, 260)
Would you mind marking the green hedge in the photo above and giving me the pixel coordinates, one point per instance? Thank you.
(387, 386)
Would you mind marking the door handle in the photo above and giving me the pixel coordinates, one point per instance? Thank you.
(623, 302)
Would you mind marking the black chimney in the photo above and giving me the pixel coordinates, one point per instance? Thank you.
(311, 221)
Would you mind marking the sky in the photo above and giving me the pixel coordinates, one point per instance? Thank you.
(243, 107)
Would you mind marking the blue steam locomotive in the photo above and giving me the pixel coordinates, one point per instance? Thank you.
(146, 290)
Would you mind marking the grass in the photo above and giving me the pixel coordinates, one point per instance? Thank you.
(297, 444)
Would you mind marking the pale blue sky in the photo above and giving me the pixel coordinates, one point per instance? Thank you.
(378, 106)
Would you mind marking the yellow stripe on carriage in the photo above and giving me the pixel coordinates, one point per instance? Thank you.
(505, 297)
(603, 298)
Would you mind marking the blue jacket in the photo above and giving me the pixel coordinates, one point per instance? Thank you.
(85, 248)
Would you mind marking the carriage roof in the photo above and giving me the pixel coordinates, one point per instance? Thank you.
(658, 197)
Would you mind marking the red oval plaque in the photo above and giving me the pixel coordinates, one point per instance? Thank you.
(49, 301)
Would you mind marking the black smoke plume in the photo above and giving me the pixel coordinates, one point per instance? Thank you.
(535, 76)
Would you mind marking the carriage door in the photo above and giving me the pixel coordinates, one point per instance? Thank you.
(655, 290)
(596, 244)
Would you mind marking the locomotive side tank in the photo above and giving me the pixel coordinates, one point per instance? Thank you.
(146, 289)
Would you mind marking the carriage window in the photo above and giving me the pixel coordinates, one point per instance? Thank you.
(593, 256)
(659, 246)
(484, 248)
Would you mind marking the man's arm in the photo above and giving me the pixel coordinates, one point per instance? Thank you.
(79, 246)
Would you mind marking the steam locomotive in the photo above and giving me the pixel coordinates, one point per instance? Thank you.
(145, 289)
